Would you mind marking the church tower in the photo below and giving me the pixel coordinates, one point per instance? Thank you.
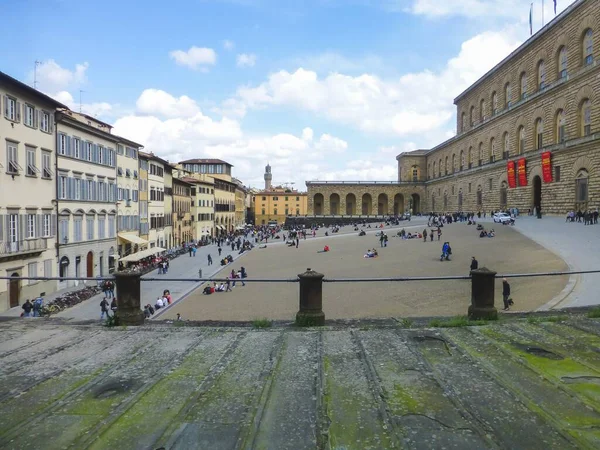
(268, 177)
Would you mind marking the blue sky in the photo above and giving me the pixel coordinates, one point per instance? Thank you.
(322, 89)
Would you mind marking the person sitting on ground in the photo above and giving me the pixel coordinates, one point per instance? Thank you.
(479, 226)
(159, 303)
(326, 248)
(362, 233)
(491, 233)
(179, 317)
(483, 233)
(207, 290)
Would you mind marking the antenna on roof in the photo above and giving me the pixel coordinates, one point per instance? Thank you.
(35, 66)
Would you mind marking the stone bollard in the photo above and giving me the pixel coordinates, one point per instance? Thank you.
(482, 295)
(311, 299)
(128, 299)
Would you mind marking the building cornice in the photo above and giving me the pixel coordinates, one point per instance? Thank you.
(74, 123)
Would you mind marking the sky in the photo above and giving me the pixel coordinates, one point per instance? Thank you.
(320, 89)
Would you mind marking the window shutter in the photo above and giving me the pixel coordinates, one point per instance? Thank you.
(95, 190)
(18, 118)
(40, 225)
(36, 118)
(95, 152)
(22, 227)
(53, 225)
(2, 227)
(5, 100)
(51, 122)
(69, 147)
(25, 113)
(84, 189)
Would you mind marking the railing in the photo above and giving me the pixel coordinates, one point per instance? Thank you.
(28, 245)
(365, 182)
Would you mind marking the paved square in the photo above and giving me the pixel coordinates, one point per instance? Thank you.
(508, 252)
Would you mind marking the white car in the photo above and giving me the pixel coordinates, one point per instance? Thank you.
(502, 218)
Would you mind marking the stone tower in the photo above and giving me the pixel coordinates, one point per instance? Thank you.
(268, 177)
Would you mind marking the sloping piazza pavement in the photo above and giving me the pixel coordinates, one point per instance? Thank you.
(516, 384)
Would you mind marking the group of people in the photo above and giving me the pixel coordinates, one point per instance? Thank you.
(229, 284)
(104, 307)
(437, 231)
(586, 217)
(34, 307)
(483, 233)
(371, 253)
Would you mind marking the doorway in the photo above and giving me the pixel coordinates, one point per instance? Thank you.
(15, 290)
(537, 193)
(90, 265)
(77, 269)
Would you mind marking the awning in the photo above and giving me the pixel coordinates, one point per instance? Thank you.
(141, 255)
(132, 238)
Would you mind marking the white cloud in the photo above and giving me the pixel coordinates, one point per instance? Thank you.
(228, 45)
(295, 158)
(52, 78)
(158, 102)
(334, 62)
(100, 109)
(413, 104)
(246, 60)
(195, 58)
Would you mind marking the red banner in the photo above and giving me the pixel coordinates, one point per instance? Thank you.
(547, 167)
(510, 170)
(522, 171)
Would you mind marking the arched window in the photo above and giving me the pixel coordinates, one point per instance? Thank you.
(539, 133)
(494, 103)
(492, 150)
(480, 154)
(561, 124)
(482, 110)
(507, 95)
(434, 169)
(429, 170)
(581, 186)
(503, 194)
(470, 157)
(523, 85)
(479, 196)
(521, 140)
(541, 75)
(586, 117)
(463, 122)
(505, 146)
(588, 47)
(440, 167)
(446, 166)
(462, 159)
(472, 116)
(453, 162)
(562, 62)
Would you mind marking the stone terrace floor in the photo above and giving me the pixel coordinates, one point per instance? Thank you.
(515, 384)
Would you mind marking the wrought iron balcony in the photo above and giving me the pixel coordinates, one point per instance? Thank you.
(20, 247)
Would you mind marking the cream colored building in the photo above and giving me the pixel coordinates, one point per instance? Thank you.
(168, 203)
(143, 192)
(86, 195)
(156, 199)
(183, 229)
(203, 206)
(224, 190)
(128, 199)
(277, 204)
(27, 186)
(240, 203)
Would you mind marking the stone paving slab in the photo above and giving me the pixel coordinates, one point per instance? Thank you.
(515, 384)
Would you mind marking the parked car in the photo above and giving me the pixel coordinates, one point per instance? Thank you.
(502, 218)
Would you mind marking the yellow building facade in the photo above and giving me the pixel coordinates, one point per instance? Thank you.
(277, 204)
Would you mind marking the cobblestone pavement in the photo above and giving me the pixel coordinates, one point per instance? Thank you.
(516, 384)
(508, 252)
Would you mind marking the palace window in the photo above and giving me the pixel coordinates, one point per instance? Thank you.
(586, 117)
(588, 47)
(541, 75)
(463, 122)
(462, 159)
(415, 173)
(494, 103)
(521, 140)
(523, 84)
(507, 96)
(492, 150)
(472, 116)
(482, 110)
(562, 62)
(561, 124)
(503, 194)
(539, 134)
(505, 146)
(480, 154)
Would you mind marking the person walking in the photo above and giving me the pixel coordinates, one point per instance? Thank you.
(113, 306)
(474, 263)
(439, 233)
(431, 236)
(103, 308)
(228, 289)
(381, 240)
(506, 294)
(424, 234)
(240, 275)
(27, 307)
(209, 260)
(220, 250)
(297, 241)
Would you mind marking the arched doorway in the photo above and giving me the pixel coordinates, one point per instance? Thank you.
(398, 204)
(318, 201)
(351, 204)
(382, 205)
(537, 193)
(90, 264)
(334, 204)
(367, 205)
(14, 288)
(415, 204)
